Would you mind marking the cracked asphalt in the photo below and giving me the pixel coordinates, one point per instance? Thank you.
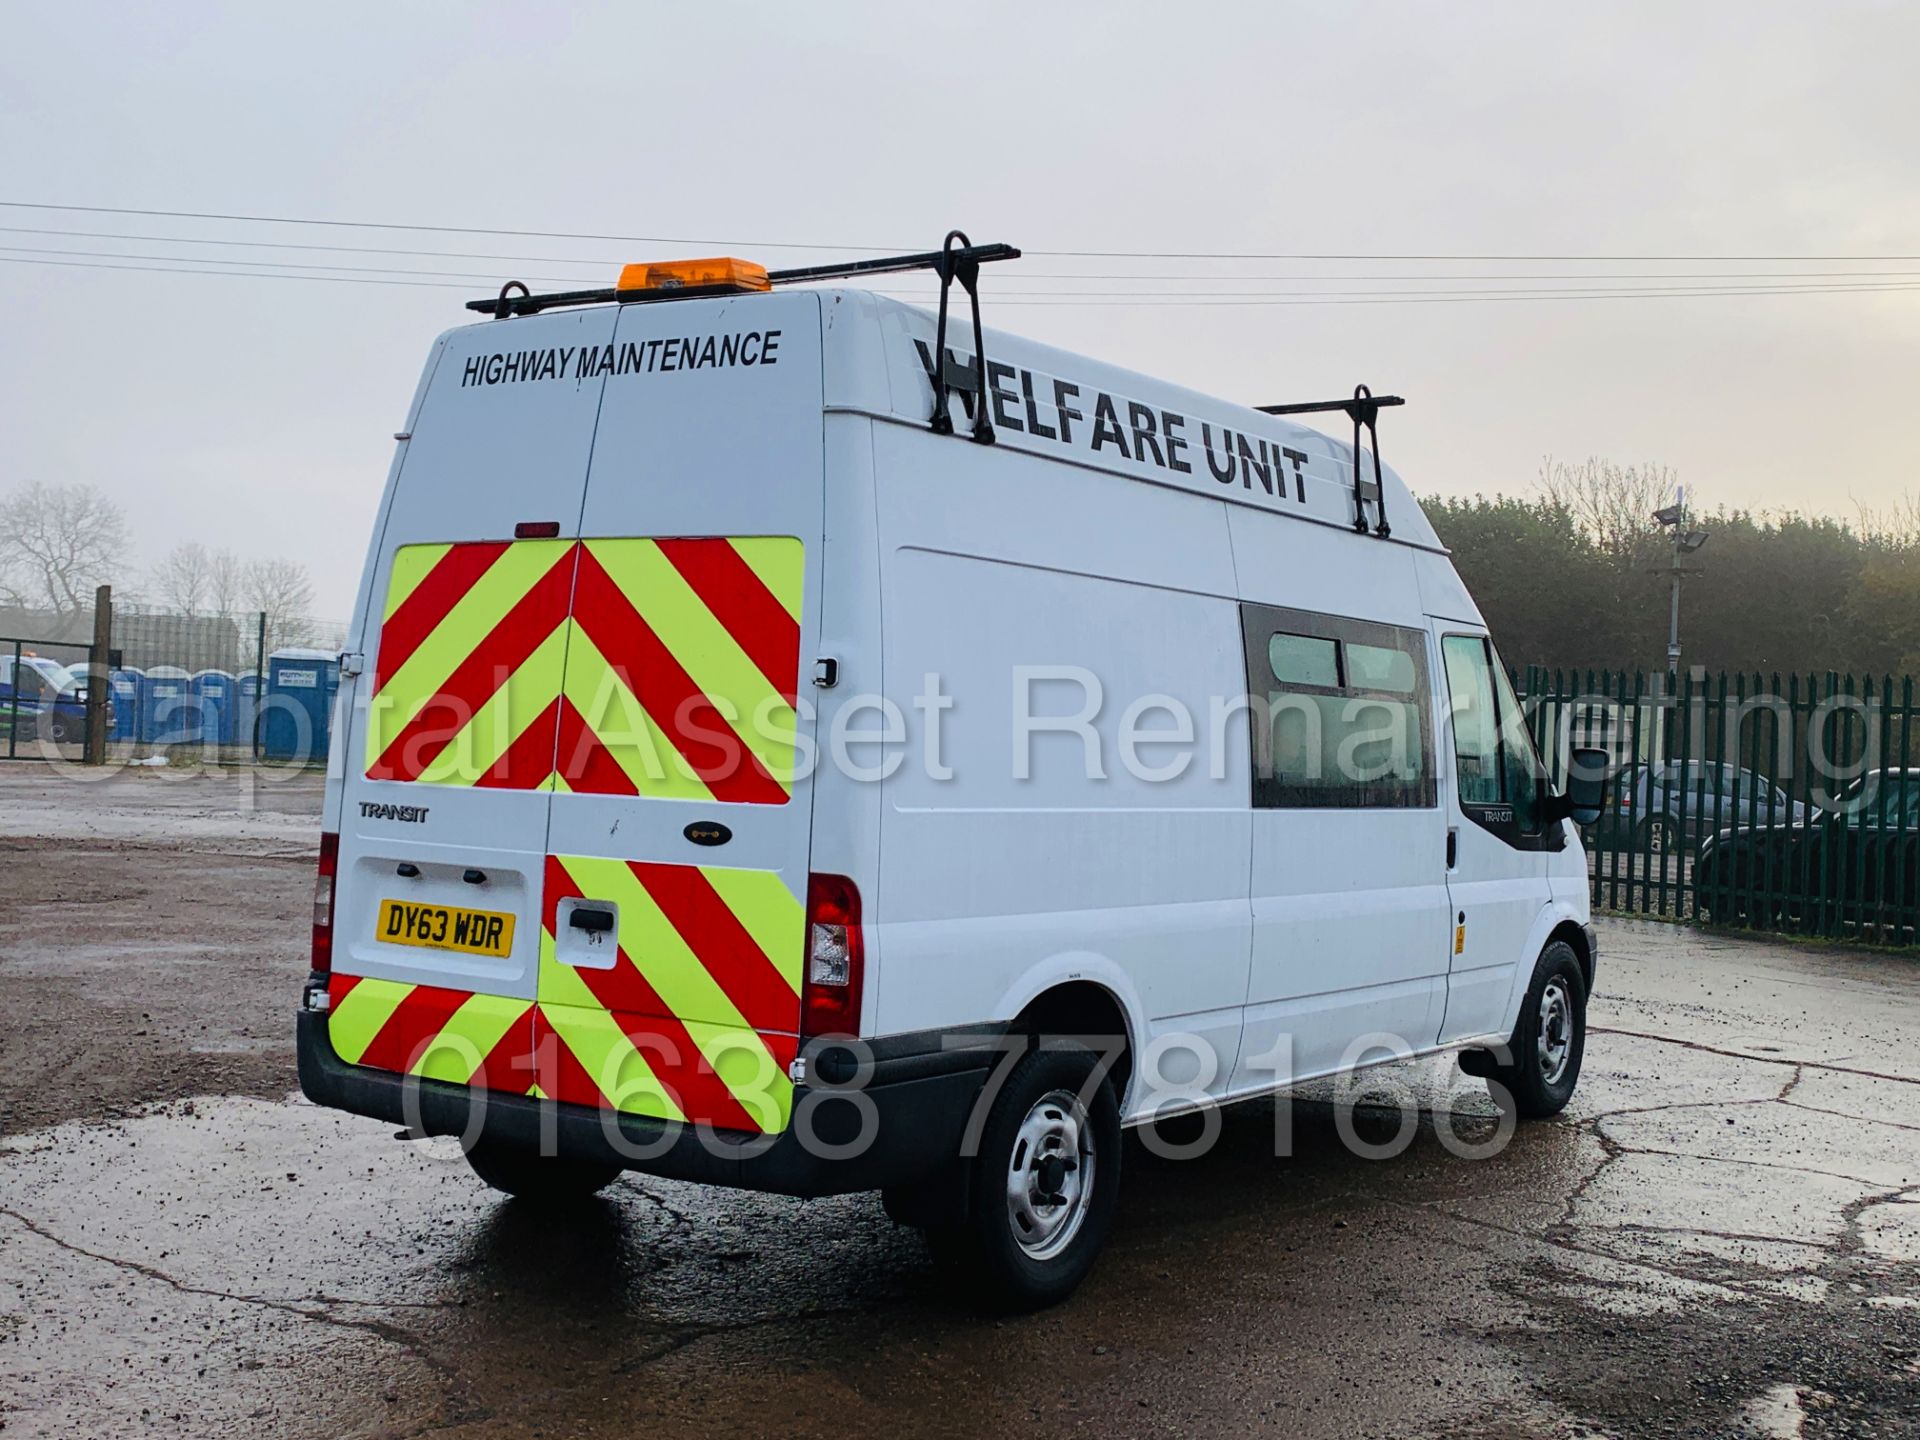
(1720, 1238)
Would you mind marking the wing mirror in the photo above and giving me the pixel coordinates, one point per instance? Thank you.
(1585, 796)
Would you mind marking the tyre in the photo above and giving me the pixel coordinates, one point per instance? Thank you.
(1549, 1041)
(1043, 1187)
(1656, 836)
(543, 1179)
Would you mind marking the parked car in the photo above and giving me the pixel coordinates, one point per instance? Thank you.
(43, 699)
(1655, 805)
(1857, 862)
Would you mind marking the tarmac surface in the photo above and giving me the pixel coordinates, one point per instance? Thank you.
(1721, 1237)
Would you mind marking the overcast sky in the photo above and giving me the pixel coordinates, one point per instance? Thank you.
(258, 413)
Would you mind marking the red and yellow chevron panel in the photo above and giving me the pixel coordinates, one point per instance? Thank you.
(694, 1021)
(437, 1034)
(655, 667)
(696, 1018)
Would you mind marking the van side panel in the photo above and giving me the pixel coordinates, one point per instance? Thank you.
(1061, 858)
(1349, 905)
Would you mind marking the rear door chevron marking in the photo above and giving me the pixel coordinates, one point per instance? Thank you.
(705, 717)
(655, 667)
(739, 600)
(428, 581)
(512, 615)
(696, 991)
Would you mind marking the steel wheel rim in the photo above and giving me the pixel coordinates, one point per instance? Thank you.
(1050, 1175)
(1656, 839)
(1554, 1040)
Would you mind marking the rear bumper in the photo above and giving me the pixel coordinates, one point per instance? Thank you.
(920, 1099)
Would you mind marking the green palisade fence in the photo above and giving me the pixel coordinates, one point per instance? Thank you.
(1787, 804)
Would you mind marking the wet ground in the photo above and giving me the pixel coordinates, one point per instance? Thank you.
(1720, 1238)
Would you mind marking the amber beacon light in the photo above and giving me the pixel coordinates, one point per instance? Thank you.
(722, 276)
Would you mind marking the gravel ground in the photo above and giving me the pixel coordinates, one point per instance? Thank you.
(1720, 1238)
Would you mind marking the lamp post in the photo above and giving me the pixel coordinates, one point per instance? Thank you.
(1685, 542)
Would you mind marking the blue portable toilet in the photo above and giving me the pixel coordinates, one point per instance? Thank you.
(246, 709)
(168, 715)
(217, 691)
(124, 687)
(298, 705)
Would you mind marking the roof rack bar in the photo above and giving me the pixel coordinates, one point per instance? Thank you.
(926, 260)
(1317, 407)
(1363, 409)
(504, 305)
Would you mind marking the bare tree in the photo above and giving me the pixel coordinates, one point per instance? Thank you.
(226, 583)
(57, 542)
(1612, 503)
(183, 580)
(282, 591)
(1897, 527)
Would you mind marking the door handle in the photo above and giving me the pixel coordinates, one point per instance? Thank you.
(596, 922)
(1453, 846)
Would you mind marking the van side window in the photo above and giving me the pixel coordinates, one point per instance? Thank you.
(1340, 712)
(1493, 752)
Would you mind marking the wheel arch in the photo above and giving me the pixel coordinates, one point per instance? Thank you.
(1557, 921)
(1575, 934)
(1086, 997)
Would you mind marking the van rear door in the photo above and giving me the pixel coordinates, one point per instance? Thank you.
(671, 930)
(450, 746)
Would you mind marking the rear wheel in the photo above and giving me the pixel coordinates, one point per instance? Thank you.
(544, 1179)
(1549, 1041)
(1656, 836)
(1044, 1185)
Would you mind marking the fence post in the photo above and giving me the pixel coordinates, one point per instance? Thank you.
(99, 681)
(13, 720)
(259, 680)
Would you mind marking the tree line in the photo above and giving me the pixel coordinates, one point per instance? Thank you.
(58, 543)
(1574, 575)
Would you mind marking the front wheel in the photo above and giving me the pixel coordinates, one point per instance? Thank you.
(1045, 1181)
(542, 1179)
(1549, 1041)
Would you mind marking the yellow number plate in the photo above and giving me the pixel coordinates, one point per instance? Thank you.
(446, 927)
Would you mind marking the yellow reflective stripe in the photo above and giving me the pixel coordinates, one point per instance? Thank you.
(770, 912)
(524, 700)
(594, 1036)
(622, 726)
(780, 561)
(357, 1018)
(410, 566)
(711, 657)
(468, 1037)
(747, 1068)
(655, 947)
(455, 638)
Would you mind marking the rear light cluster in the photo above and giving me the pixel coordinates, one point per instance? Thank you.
(323, 903)
(836, 958)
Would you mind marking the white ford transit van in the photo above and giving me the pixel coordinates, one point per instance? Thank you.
(785, 744)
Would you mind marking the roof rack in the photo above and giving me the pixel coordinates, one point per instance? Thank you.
(958, 258)
(1363, 409)
(504, 305)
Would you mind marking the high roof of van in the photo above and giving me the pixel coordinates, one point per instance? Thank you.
(1088, 412)
(877, 360)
